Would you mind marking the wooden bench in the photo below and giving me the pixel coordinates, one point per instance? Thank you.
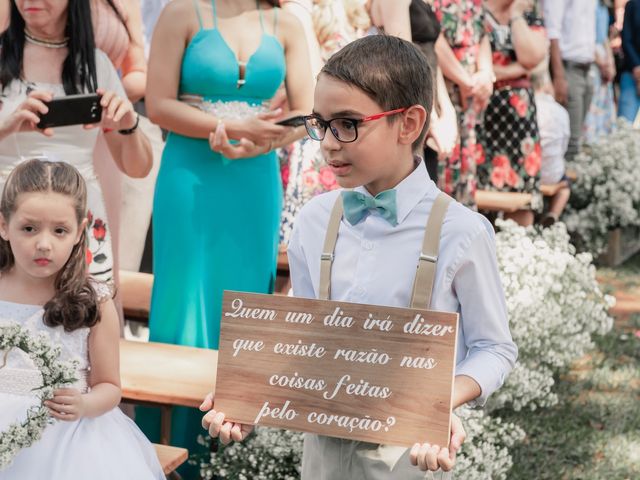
(170, 457)
(163, 375)
(135, 290)
(508, 202)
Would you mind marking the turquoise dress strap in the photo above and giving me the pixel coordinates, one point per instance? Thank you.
(215, 14)
(275, 19)
(260, 13)
(195, 4)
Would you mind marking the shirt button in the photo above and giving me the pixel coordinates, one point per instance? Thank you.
(367, 245)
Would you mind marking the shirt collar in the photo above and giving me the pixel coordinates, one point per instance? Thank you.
(411, 190)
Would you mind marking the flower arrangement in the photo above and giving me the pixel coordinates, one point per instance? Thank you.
(555, 305)
(606, 194)
(266, 455)
(485, 453)
(55, 374)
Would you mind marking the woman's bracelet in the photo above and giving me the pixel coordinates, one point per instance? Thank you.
(129, 131)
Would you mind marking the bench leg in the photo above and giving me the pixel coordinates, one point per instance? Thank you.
(165, 424)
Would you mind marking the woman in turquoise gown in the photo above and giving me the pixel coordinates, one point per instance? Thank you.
(216, 221)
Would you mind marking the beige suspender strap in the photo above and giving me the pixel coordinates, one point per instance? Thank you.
(326, 259)
(423, 283)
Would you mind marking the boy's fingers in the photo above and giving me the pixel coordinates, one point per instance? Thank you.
(444, 460)
(432, 457)
(216, 424)
(207, 419)
(207, 403)
(413, 454)
(458, 435)
(422, 456)
(225, 432)
(236, 432)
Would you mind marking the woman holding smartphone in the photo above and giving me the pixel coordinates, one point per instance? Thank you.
(48, 51)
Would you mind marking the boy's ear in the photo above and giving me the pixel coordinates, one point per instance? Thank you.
(413, 121)
(4, 228)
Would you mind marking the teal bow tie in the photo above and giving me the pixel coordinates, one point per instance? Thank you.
(357, 205)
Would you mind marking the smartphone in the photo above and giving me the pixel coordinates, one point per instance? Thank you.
(292, 121)
(72, 110)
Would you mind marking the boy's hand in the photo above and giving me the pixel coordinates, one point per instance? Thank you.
(431, 457)
(214, 422)
(67, 404)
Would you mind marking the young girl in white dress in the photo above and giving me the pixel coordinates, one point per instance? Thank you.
(44, 287)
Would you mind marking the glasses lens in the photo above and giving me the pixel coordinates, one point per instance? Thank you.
(344, 129)
(314, 127)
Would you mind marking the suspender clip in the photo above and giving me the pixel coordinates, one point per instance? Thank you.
(429, 258)
(327, 256)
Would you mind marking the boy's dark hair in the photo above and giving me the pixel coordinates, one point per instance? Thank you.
(392, 72)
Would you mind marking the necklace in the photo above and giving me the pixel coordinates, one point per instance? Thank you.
(45, 43)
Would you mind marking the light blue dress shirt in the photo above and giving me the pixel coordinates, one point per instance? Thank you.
(375, 263)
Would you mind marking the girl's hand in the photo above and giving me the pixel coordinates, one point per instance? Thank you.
(27, 115)
(431, 457)
(259, 129)
(214, 422)
(117, 113)
(67, 404)
(245, 148)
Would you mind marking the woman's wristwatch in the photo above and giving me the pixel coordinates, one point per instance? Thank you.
(129, 131)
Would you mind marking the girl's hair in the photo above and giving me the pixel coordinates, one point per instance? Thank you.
(75, 304)
(79, 68)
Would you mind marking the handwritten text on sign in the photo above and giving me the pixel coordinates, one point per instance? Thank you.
(365, 372)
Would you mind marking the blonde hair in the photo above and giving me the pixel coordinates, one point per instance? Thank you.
(337, 22)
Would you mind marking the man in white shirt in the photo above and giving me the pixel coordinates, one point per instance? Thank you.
(571, 28)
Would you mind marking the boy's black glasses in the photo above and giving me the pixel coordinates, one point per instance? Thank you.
(344, 129)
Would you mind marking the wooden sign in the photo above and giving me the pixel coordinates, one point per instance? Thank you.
(364, 372)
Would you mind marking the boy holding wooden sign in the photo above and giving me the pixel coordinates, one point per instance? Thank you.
(363, 245)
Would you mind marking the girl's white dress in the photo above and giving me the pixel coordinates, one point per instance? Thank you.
(107, 447)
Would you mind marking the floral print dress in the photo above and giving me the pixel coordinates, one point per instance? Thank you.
(462, 23)
(509, 134)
